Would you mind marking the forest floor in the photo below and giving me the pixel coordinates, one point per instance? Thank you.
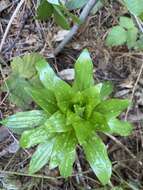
(119, 65)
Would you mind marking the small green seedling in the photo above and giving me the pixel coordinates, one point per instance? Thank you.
(124, 33)
(70, 116)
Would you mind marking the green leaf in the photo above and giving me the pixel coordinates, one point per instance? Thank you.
(23, 74)
(92, 99)
(33, 137)
(41, 156)
(68, 156)
(44, 10)
(82, 129)
(112, 108)
(17, 94)
(122, 128)
(25, 66)
(27, 119)
(64, 153)
(99, 122)
(69, 14)
(132, 35)
(74, 4)
(97, 157)
(106, 90)
(60, 19)
(63, 93)
(46, 74)
(126, 22)
(44, 98)
(61, 89)
(117, 36)
(139, 43)
(134, 6)
(83, 72)
(57, 123)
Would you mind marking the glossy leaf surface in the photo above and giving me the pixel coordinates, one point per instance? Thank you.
(61, 89)
(27, 119)
(82, 129)
(57, 123)
(97, 157)
(83, 72)
(106, 90)
(113, 107)
(33, 137)
(65, 147)
(44, 98)
(122, 128)
(41, 156)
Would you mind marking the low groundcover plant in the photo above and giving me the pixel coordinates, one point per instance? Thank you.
(70, 116)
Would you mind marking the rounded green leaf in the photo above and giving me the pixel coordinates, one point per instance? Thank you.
(117, 36)
(97, 157)
(126, 22)
(44, 10)
(134, 6)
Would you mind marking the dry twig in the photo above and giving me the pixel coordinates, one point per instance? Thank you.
(83, 16)
(10, 23)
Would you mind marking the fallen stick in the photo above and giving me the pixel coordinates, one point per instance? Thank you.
(10, 23)
(83, 16)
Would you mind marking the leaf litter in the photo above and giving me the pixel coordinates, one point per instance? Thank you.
(118, 65)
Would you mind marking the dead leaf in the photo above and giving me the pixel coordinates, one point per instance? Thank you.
(13, 147)
(4, 4)
(60, 35)
(67, 74)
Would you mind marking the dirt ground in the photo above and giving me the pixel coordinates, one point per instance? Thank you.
(121, 66)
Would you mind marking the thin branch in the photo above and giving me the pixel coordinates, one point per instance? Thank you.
(83, 16)
(10, 23)
(124, 147)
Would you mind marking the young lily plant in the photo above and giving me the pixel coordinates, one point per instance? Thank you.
(70, 116)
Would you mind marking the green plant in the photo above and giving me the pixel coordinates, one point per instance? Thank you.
(23, 74)
(48, 8)
(71, 115)
(124, 33)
